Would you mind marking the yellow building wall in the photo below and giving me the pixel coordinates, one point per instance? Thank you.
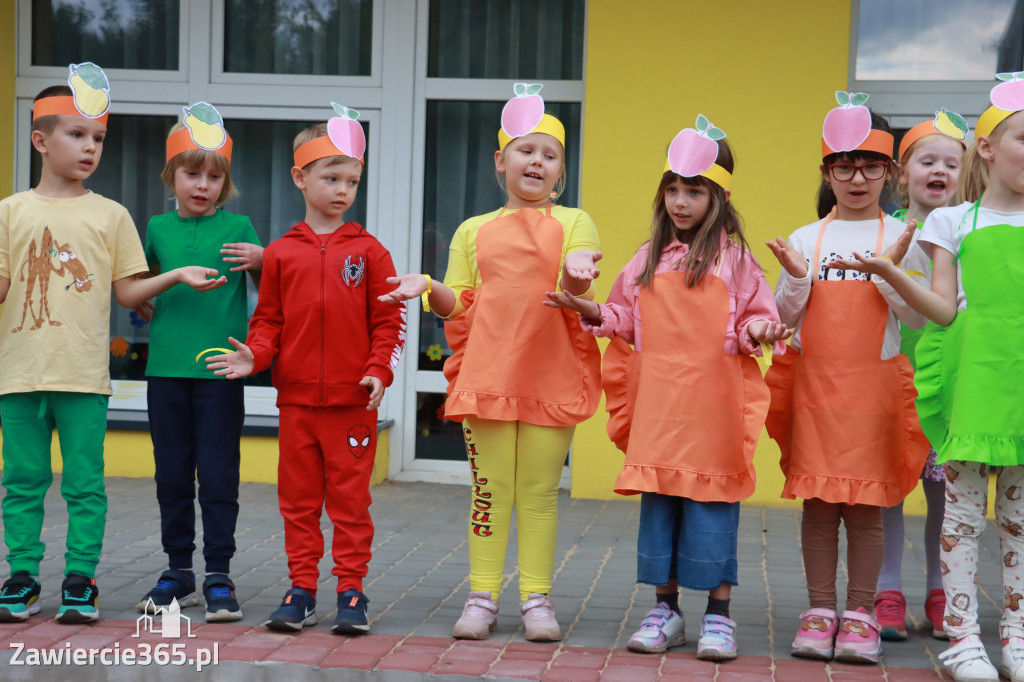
(766, 77)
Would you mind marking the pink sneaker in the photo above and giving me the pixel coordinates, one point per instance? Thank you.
(817, 634)
(935, 609)
(539, 619)
(858, 639)
(891, 614)
(479, 617)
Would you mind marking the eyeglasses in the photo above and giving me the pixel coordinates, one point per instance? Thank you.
(843, 172)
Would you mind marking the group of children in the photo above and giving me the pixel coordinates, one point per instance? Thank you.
(686, 399)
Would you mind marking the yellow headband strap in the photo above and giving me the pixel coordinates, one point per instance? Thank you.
(715, 174)
(548, 124)
(988, 121)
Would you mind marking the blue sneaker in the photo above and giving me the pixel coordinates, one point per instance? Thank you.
(351, 618)
(221, 605)
(297, 610)
(78, 600)
(19, 598)
(173, 584)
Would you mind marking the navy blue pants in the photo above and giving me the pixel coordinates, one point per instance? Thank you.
(694, 542)
(196, 425)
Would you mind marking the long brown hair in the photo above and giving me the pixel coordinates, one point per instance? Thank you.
(706, 241)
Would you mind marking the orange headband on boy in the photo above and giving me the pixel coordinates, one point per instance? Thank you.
(90, 96)
(847, 128)
(948, 123)
(204, 130)
(344, 137)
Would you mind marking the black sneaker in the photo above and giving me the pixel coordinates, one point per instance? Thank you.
(297, 610)
(221, 605)
(78, 596)
(173, 584)
(351, 618)
(19, 598)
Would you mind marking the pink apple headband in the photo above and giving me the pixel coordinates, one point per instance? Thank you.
(694, 152)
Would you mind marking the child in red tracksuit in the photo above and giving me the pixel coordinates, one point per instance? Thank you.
(336, 348)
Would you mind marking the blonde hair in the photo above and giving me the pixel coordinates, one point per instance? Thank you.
(974, 171)
(556, 191)
(311, 133)
(197, 158)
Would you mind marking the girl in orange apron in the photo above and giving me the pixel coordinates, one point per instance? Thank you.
(687, 408)
(522, 375)
(969, 377)
(842, 406)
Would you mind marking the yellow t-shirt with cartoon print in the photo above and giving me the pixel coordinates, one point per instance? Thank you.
(62, 256)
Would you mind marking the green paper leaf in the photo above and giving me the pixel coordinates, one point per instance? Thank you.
(353, 114)
(520, 89)
(957, 120)
(93, 76)
(1005, 76)
(339, 109)
(702, 123)
(842, 97)
(716, 133)
(206, 113)
(858, 99)
(534, 89)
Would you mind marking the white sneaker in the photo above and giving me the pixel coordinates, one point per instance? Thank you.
(967, 661)
(539, 619)
(661, 629)
(479, 617)
(1013, 660)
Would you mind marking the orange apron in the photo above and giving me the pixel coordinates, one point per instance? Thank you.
(522, 361)
(698, 410)
(845, 419)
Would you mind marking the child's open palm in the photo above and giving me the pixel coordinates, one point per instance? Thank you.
(198, 277)
(582, 265)
(562, 299)
(788, 257)
(877, 265)
(232, 365)
(408, 287)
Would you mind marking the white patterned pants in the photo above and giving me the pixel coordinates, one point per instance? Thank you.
(966, 504)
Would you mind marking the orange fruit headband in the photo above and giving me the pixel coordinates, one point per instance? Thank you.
(89, 98)
(344, 137)
(204, 130)
(948, 123)
(62, 105)
(847, 128)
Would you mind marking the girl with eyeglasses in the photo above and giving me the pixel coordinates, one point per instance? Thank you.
(842, 405)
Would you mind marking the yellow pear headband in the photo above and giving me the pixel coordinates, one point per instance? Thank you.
(90, 95)
(1007, 99)
(204, 129)
(693, 152)
(948, 123)
(524, 114)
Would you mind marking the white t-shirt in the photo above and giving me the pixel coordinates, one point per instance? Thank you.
(947, 227)
(843, 238)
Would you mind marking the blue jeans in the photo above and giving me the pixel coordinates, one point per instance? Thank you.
(693, 542)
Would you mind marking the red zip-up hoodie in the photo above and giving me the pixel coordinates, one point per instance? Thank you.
(319, 319)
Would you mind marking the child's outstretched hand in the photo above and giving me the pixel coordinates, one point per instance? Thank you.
(582, 265)
(585, 308)
(788, 257)
(880, 265)
(198, 277)
(408, 286)
(233, 365)
(767, 331)
(248, 256)
(376, 388)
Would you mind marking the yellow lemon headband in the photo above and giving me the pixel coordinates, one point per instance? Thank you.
(344, 137)
(524, 114)
(948, 123)
(204, 129)
(694, 152)
(90, 96)
(1007, 99)
(847, 128)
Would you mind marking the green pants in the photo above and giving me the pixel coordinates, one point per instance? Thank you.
(28, 421)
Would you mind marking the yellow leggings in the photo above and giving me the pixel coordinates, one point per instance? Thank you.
(514, 464)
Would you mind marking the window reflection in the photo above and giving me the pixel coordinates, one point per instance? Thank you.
(939, 39)
(319, 37)
(116, 34)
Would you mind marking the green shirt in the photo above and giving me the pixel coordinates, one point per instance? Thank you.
(187, 322)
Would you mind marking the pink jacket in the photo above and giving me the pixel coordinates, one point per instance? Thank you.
(750, 298)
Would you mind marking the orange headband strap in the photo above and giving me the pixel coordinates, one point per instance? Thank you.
(61, 105)
(181, 141)
(917, 132)
(317, 148)
(877, 141)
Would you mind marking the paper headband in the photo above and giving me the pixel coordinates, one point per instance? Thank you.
(848, 128)
(524, 114)
(344, 137)
(1007, 99)
(204, 129)
(948, 123)
(694, 152)
(90, 95)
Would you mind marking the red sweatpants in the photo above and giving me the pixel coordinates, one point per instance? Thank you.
(326, 458)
